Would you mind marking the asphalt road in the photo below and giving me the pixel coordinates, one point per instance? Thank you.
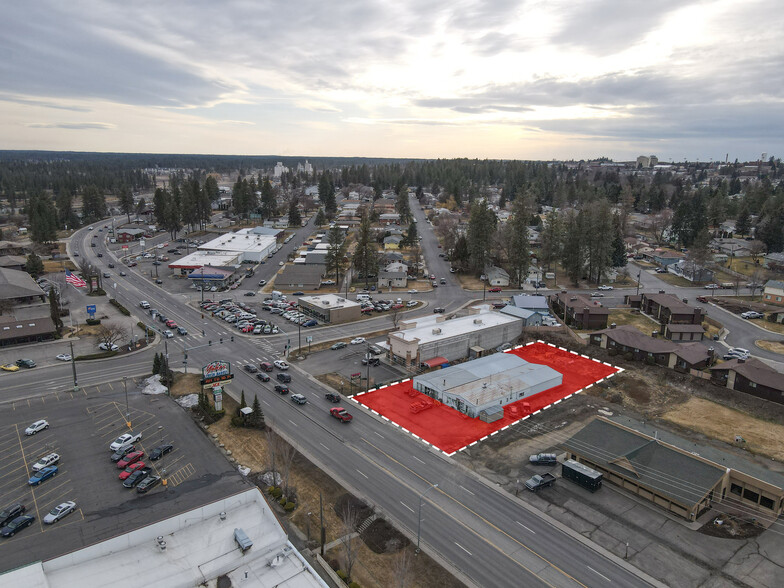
(484, 533)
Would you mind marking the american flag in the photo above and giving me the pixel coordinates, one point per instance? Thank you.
(74, 280)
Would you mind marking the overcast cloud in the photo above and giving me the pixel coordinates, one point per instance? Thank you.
(417, 78)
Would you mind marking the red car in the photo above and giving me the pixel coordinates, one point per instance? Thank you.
(341, 414)
(130, 458)
(495, 289)
(397, 306)
(247, 329)
(172, 325)
(130, 469)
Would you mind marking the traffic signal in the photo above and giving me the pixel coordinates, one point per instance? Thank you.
(209, 342)
(232, 338)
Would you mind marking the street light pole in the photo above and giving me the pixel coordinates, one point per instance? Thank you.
(73, 366)
(367, 380)
(419, 522)
(127, 410)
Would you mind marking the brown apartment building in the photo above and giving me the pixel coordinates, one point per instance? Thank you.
(580, 311)
(751, 376)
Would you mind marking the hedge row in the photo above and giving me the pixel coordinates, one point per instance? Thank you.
(93, 321)
(120, 307)
(101, 355)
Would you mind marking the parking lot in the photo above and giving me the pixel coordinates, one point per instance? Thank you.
(82, 426)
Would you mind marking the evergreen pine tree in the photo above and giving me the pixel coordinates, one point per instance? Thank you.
(156, 364)
(618, 244)
(243, 404)
(34, 265)
(54, 309)
(257, 416)
(295, 218)
(321, 219)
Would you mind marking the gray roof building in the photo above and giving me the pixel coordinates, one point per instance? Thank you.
(537, 303)
(531, 318)
(16, 284)
(299, 275)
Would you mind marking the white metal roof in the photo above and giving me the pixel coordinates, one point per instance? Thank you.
(241, 242)
(427, 329)
(327, 301)
(202, 258)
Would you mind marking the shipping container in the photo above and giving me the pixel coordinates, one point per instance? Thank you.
(581, 474)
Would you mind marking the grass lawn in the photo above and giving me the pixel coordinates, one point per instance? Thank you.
(746, 266)
(774, 346)
(639, 321)
(675, 280)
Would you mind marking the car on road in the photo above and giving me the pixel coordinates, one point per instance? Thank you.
(139, 465)
(135, 478)
(159, 282)
(413, 291)
(46, 461)
(160, 451)
(122, 452)
(168, 334)
(59, 512)
(283, 378)
(262, 282)
(298, 398)
(64, 357)
(148, 484)
(411, 303)
(281, 389)
(603, 287)
(341, 414)
(543, 459)
(280, 364)
(42, 474)
(597, 295)
(703, 299)
(17, 525)
(108, 347)
(25, 363)
(338, 345)
(263, 377)
(752, 314)
(250, 368)
(171, 324)
(250, 293)
(10, 367)
(182, 331)
(495, 289)
(130, 458)
(358, 341)
(298, 293)
(37, 426)
(332, 397)
(265, 366)
(328, 282)
(125, 439)
(711, 286)
(10, 512)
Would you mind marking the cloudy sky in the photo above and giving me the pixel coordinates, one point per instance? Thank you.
(534, 79)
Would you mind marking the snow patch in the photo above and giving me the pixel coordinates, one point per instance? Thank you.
(152, 385)
(187, 401)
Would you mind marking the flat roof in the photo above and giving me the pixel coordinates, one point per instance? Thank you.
(240, 242)
(199, 259)
(453, 327)
(328, 301)
(199, 548)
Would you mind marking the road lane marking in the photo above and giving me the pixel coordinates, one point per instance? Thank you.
(408, 507)
(379, 434)
(293, 423)
(324, 446)
(464, 549)
(366, 477)
(467, 490)
(598, 574)
(526, 528)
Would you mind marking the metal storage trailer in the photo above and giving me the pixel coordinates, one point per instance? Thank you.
(581, 474)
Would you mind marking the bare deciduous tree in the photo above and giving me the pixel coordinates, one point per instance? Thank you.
(660, 225)
(756, 248)
(273, 449)
(286, 453)
(349, 522)
(111, 333)
(402, 567)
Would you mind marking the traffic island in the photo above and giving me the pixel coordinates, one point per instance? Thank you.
(451, 430)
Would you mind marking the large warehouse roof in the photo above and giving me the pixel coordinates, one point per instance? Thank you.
(199, 259)
(429, 328)
(239, 242)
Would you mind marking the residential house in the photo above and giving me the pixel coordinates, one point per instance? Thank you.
(693, 272)
(664, 257)
(395, 275)
(127, 235)
(750, 376)
(535, 303)
(774, 292)
(678, 332)
(392, 242)
(496, 276)
(389, 218)
(626, 339)
(579, 311)
(11, 248)
(299, 277)
(530, 318)
(668, 308)
(16, 262)
(774, 261)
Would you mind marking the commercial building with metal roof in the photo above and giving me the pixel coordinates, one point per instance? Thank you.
(200, 258)
(250, 247)
(476, 386)
(330, 308)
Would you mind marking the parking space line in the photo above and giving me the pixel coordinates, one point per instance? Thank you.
(110, 385)
(71, 520)
(24, 459)
(181, 475)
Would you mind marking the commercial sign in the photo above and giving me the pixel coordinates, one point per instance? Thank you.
(91, 309)
(216, 371)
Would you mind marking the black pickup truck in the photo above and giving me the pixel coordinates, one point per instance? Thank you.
(539, 481)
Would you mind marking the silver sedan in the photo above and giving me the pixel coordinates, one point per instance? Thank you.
(59, 512)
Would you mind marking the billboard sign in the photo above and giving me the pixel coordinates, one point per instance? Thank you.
(216, 371)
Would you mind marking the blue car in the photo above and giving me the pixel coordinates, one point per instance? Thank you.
(43, 474)
(310, 323)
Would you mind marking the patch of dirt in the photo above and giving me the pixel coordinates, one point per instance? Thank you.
(730, 528)
(381, 537)
(774, 346)
(349, 505)
(633, 318)
(185, 384)
(720, 422)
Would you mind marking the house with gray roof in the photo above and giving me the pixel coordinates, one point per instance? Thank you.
(530, 318)
(299, 276)
(19, 286)
(774, 292)
(497, 276)
(750, 376)
(536, 303)
(627, 340)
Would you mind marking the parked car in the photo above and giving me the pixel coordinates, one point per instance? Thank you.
(10, 367)
(298, 398)
(280, 364)
(36, 426)
(495, 289)
(711, 286)
(130, 458)
(108, 347)
(539, 481)
(603, 287)
(374, 361)
(160, 451)
(341, 414)
(135, 478)
(42, 474)
(46, 461)
(125, 439)
(139, 465)
(16, 525)
(10, 512)
(338, 345)
(358, 341)
(752, 314)
(543, 459)
(122, 452)
(147, 484)
(661, 270)
(60, 511)
(64, 357)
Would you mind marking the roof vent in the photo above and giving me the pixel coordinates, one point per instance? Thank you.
(612, 325)
(477, 321)
(436, 331)
(222, 515)
(160, 543)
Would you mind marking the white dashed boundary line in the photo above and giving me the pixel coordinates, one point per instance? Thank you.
(619, 370)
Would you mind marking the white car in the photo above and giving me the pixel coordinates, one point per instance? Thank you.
(752, 314)
(605, 287)
(144, 304)
(64, 357)
(739, 351)
(280, 364)
(125, 439)
(36, 426)
(168, 334)
(46, 461)
(596, 295)
(59, 512)
(148, 256)
(413, 291)
(108, 347)
(411, 303)
(357, 341)
(281, 264)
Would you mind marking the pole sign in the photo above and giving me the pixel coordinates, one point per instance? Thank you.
(91, 310)
(216, 371)
(357, 375)
(217, 396)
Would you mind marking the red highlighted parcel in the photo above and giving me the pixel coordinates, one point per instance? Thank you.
(450, 430)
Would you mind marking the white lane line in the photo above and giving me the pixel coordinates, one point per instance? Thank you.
(363, 474)
(598, 574)
(379, 434)
(265, 402)
(324, 446)
(416, 458)
(293, 423)
(464, 549)
(467, 490)
(408, 507)
(526, 528)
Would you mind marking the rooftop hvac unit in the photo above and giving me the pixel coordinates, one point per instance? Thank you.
(436, 331)
(326, 303)
(477, 321)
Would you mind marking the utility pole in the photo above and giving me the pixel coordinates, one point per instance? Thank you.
(367, 380)
(323, 530)
(73, 367)
(127, 410)
(639, 275)
(419, 523)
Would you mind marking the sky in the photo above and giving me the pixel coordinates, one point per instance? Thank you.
(512, 79)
